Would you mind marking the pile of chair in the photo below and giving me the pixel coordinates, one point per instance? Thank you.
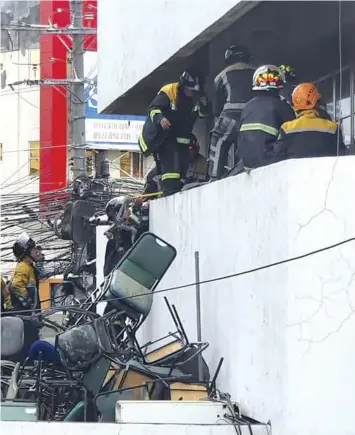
(96, 361)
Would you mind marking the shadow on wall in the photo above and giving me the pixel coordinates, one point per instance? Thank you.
(15, 12)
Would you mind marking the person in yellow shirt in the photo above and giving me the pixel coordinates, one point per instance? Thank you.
(309, 135)
(25, 281)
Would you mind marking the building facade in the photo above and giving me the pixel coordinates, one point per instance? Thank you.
(282, 331)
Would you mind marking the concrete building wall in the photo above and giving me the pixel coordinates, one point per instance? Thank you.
(167, 25)
(285, 332)
(56, 428)
(20, 120)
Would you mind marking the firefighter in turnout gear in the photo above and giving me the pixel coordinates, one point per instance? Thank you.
(231, 92)
(25, 281)
(290, 85)
(196, 173)
(309, 135)
(262, 118)
(166, 132)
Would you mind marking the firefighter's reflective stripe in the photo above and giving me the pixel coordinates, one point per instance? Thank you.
(153, 113)
(286, 68)
(142, 143)
(261, 127)
(170, 176)
(331, 130)
(183, 140)
(234, 106)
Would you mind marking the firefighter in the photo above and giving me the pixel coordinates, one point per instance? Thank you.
(290, 84)
(166, 132)
(231, 92)
(262, 118)
(196, 173)
(25, 281)
(309, 135)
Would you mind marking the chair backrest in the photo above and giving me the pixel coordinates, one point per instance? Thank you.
(12, 336)
(184, 391)
(78, 346)
(95, 377)
(139, 273)
(132, 376)
(164, 352)
(80, 213)
(76, 413)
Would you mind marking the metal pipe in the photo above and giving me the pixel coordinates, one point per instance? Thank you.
(328, 76)
(198, 312)
(352, 111)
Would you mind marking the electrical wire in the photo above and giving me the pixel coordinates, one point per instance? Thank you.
(42, 148)
(14, 173)
(10, 92)
(31, 212)
(217, 279)
(24, 99)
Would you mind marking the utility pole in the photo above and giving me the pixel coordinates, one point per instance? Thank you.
(77, 110)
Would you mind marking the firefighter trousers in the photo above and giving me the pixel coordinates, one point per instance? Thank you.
(174, 161)
(224, 134)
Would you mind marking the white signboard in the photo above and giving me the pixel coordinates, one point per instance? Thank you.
(119, 132)
(113, 130)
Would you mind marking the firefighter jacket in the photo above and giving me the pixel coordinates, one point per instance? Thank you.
(286, 94)
(5, 296)
(25, 276)
(260, 123)
(232, 88)
(308, 136)
(180, 110)
(197, 172)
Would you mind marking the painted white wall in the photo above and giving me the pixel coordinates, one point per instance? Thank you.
(17, 428)
(137, 36)
(286, 332)
(19, 122)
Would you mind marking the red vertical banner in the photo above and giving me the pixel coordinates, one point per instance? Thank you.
(53, 100)
(90, 20)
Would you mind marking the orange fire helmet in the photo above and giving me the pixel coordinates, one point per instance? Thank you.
(305, 96)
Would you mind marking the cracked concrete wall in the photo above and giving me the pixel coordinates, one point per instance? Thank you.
(286, 332)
